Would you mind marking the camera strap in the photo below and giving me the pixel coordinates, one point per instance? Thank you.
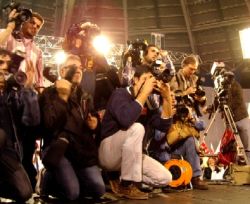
(131, 91)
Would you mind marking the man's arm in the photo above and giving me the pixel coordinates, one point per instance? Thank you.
(4, 35)
(53, 109)
(123, 108)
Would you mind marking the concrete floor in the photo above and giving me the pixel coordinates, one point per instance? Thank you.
(217, 194)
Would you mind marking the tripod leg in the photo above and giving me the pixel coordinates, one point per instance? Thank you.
(211, 122)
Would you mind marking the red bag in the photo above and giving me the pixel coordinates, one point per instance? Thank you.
(227, 152)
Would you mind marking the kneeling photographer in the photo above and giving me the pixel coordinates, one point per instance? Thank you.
(70, 123)
(123, 133)
(19, 110)
(181, 137)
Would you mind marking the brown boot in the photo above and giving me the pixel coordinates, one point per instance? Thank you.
(115, 186)
(132, 192)
(199, 184)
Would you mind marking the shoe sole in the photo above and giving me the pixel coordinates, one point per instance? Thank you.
(135, 198)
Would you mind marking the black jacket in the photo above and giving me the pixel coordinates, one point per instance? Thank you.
(68, 119)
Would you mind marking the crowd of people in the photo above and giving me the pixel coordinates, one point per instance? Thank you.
(91, 121)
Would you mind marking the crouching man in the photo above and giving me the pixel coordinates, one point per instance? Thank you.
(122, 136)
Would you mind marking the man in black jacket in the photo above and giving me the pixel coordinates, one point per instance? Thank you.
(16, 113)
(70, 151)
(122, 136)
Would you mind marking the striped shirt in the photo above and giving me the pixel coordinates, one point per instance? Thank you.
(32, 53)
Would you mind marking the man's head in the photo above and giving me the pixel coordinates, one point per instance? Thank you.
(5, 60)
(141, 73)
(32, 26)
(69, 64)
(189, 65)
(151, 54)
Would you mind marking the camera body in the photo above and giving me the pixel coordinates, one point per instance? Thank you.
(222, 79)
(161, 71)
(182, 106)
(23, 16)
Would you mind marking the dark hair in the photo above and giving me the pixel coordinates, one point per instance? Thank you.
(191, 59)
(141, 69)
(5, 52)
(147, 48)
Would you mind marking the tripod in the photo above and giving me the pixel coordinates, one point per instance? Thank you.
(228, 118)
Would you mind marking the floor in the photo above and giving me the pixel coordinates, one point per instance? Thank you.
(217, 194)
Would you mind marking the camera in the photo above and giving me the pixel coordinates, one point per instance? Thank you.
(85, 32)
(222, 79)
(182, 103)
(136, 49)
(17, 78)
(23, 16)
(162, 71)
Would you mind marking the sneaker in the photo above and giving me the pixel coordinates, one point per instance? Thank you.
(132, 192)
(199, 184)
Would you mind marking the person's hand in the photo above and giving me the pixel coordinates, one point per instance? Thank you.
(13, 14)
(164, 90)
(30, 73)
(190, 90)
(148, 84)
(63, 88)
(92, 121)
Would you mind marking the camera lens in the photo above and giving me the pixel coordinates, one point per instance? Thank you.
(20, 78)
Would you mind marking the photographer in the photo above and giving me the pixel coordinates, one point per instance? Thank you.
(122, 136)
(184, 83)
(18, 111)
(99, 79)
(69, 124)
(18, 37)
(23, 40)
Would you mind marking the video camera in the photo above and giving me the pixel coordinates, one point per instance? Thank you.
(86, 32)
(136, 49)
(222, 79)
(23, 14)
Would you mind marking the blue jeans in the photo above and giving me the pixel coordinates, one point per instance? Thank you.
(188, 150)
(66, 182)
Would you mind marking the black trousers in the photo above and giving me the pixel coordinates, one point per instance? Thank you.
(14, 181)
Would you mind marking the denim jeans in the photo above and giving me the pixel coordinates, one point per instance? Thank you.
(66, 182)
(187, 149)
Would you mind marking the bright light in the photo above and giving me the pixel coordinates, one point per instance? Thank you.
(245, 42)
(60, 57)
(101, 44)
